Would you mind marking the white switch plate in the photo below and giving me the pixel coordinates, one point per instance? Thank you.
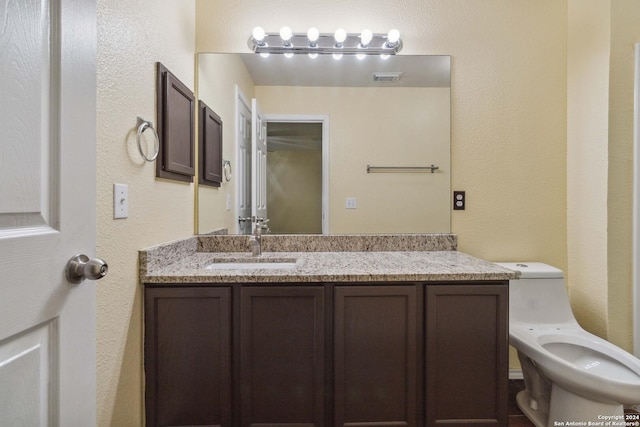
(120, 201)
(351, 203)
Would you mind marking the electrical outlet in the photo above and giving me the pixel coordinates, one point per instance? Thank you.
(351, 203)
(459, 200)
(120, 201)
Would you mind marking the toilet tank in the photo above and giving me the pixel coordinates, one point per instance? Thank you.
(539, 296)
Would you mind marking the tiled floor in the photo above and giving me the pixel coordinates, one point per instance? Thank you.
(516, 418)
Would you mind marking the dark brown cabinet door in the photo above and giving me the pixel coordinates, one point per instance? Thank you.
(377, 341)
(176, 112)
(467, 354)
(210, 146)
(282, 356)
(188, 356)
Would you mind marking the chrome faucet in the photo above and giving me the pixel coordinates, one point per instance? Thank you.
(256, 240)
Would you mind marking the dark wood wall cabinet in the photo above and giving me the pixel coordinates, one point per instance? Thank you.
(176, 128)
(324, 355)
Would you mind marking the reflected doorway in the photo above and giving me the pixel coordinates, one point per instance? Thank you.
(297, 178)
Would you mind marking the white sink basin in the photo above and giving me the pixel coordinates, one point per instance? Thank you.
(257, 264)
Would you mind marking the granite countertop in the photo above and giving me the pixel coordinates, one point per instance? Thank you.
(316, 259)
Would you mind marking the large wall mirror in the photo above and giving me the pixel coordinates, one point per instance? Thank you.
(343, 146)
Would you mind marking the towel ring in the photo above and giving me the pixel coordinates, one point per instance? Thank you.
(142, 126)
(227, 170)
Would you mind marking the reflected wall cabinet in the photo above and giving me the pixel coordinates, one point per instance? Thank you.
(209, 146)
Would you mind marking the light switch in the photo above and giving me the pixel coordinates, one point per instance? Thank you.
(120, 201)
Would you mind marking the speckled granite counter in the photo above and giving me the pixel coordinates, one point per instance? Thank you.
(318, 259)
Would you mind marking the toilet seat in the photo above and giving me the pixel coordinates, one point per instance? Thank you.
(582, 362)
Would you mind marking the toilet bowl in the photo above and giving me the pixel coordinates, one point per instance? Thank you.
(570, 374)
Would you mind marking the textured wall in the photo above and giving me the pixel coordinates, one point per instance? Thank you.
(508, 102)
(600, 164)
(587, 159)
(132, 36)
(625, 32)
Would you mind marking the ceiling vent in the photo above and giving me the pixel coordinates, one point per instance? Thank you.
(386, 77)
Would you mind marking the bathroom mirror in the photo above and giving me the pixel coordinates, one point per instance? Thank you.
(353, 146)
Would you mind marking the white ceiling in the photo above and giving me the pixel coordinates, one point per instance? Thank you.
(300, 70)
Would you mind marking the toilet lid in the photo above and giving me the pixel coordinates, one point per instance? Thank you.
(533, 270)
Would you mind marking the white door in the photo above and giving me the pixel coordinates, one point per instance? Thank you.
(244, 164)
(47, 211)
(258, 163)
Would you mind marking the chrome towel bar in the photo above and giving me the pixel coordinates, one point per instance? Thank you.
(374, 169)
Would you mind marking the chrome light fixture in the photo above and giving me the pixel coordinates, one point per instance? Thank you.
(313, 43)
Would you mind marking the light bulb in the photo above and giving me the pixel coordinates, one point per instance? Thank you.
(265, 54)
(285, 33)
(360, 56)
(288, 55)
(313, 34)
(313, 55)
(258, 34)
(365, 38)
(337, 56)
(384, 56)
(393, 37)
(340, 36)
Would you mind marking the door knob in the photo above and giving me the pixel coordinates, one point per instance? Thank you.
(82, 267)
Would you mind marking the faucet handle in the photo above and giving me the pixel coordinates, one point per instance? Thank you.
(262, 223)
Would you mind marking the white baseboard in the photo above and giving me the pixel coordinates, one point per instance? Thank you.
(515, 374)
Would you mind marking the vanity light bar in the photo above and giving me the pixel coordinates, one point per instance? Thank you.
(313, 42)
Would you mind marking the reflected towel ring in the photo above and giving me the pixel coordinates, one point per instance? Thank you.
(227, 170)
(142, 126)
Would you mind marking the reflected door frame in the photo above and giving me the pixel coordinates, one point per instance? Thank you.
(243, 185)
(324, 120)
(243, 164)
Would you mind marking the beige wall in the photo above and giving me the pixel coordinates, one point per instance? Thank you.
(587, 159)
(217, 80)
(508, 102)
(132, 36)
(600, 164)
(511, 102)
(380, 127)
(625, 32)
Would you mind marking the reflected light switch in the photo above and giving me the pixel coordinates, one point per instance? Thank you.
(351, 203)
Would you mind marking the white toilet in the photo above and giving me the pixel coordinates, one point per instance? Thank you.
(570, 374)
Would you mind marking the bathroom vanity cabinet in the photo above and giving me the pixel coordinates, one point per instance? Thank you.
(327, 354)
(187, 356)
